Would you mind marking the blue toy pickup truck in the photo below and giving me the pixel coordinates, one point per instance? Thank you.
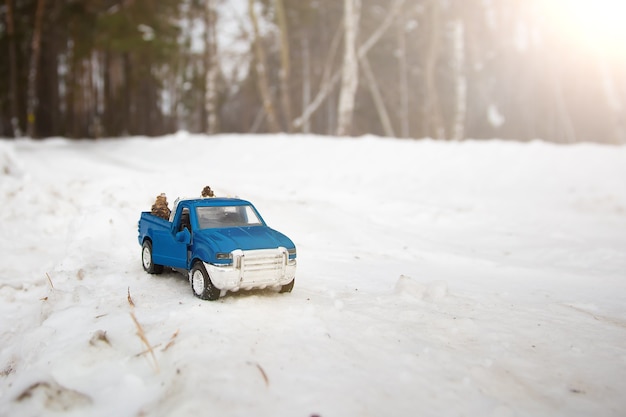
(223, 245)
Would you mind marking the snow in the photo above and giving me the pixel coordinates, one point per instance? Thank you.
(434, 279)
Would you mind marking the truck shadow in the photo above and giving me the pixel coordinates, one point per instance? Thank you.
(180, 281)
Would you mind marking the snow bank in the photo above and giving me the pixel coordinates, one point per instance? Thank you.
(434, 279)
(9, 164)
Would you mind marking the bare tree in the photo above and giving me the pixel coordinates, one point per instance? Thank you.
(433, 118)
(15, 122)
(439, 68)
(31, 95)
(306, 81)
(284, 61)
(330, 79)
(403, 77)
(614, 104)
(326, 85)
(458, 36)
(261, 71)
(563, 127)
(377, 97)
(212, 67)
(350, 70)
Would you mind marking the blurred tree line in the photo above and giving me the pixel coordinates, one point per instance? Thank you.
(446, 69)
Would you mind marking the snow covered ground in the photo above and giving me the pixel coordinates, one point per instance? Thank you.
(434, 279)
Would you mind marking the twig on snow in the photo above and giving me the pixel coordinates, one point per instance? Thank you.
(130, 299)
(49, 280)
(143, 352)
(262, 371)
(171, 342)
(142, 336)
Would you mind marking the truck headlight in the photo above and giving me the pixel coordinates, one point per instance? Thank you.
(220, 256)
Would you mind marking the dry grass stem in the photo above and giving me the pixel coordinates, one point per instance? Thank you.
(172, 340)
(49, 280)
(143, 352)
(130, 300)
(142, 336)
(263, 374)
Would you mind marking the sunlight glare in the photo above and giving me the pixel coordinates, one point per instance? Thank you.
(598, 24)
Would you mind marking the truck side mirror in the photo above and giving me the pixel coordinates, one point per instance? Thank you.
(183, 236)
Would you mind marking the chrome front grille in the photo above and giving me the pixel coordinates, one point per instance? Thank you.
(266, 265)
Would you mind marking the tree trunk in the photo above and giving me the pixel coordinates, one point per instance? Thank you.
(69, 80)
(31, 92)
(128, 116)
(325, 85)
(48, 114)
(458, 36)
(212, 66)
(285, 69)
(15, 121)
(95, 88)
(377, 97)
(564, 129)
(403, 80)
(433, 118)
(261, 71)
(614, 104)
(77, 99)
(330, 81)
(306, 80)
(350, 70)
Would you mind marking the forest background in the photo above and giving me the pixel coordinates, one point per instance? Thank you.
(444, 69)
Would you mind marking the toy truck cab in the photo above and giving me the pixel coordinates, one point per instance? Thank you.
(223, 244)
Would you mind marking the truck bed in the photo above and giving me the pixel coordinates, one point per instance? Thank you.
(150, 221)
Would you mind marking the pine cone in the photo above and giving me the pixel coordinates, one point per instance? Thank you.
(207, 192)
(160, 209)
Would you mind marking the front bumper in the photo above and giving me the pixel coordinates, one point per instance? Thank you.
(253, 269)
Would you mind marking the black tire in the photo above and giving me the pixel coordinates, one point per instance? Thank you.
(288, 287)
(146, 259)
(201, 284)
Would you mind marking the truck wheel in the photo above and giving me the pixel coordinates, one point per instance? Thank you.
(146, 259)
(201, 284)
(288, 287)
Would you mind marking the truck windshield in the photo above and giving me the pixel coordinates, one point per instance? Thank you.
(226, 216)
